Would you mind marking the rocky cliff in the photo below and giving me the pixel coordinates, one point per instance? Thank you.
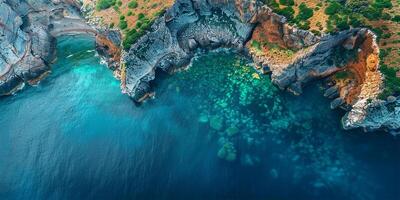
(174, 38)
(196, 24)
(27, 40)
(293, 56)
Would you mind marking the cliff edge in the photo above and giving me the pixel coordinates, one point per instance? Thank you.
(190, 25)
(348, 60)
(28, 36)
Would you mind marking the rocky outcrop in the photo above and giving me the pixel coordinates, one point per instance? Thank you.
(367, 110)
(27, 40)
(28, 32)
(383, 115)
(108, 45)
(193, 24)
(174, 38)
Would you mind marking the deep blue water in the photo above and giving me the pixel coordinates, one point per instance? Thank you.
(214, 131)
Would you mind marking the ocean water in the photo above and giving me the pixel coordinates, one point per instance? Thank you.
(217, 130)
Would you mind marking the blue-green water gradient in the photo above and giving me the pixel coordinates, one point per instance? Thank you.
(215, 131)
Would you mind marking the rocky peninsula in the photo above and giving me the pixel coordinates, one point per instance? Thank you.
(191, 25)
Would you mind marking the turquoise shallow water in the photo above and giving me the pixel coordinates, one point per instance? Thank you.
(214, 131)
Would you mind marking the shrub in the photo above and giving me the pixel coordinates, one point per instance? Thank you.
(304, 12)
(286, 2)
(357, 5)
(288, 12)
(255, 44)
(141, 16)
(316, 32)
(132, 35)
(133, 4)
(123, 24)
(342, 23)
(372, 13)
(396, 18)
(304, 25)
(383, 4)
(333, 8)
(271, 3)
(342, 75)
(356, 20)
(386, 16)
(138, 24)
(104, 4)
(392, 82)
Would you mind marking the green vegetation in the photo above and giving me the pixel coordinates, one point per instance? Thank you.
(288, 12)
(396, 18)
(342, 14)
(354, 13)
(301, 20)
(143, 23)
(286, 2)
(342, 75)
(333, 8)
(255, 44)
(133, 4)
(392, 82)
(104, 4)
(304, 12)
(141, 16)
(123, 24)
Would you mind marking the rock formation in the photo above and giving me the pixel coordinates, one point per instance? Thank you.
(28, 32)
(192, 24)
(27, 40)
(174, 38)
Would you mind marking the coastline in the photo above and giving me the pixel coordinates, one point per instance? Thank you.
(174, 37)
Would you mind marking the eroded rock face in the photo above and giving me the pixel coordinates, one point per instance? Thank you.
(373, 116)
(27, 38)
(367, 110)
(193, 24)
(28, 30)
(174, 38)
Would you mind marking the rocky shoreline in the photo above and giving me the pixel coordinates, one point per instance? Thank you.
(29, 31)
(190, 25)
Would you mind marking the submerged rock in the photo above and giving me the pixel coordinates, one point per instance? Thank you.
(231, 131)
(191, 25)
(29, 29)
(216, 122)
(174, 38)
(227, 151)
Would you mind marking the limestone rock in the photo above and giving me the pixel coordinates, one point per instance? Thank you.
(27, 38)
(332, 92)
(337, 102)
(174, 38)
(377, 115)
